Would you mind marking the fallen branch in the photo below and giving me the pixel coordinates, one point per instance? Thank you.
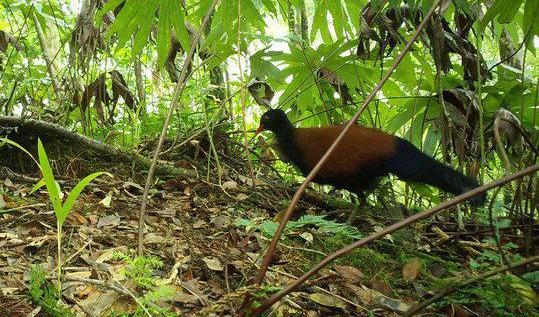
(390, 229)
(472, 280)
(271, 248)
(37, 128)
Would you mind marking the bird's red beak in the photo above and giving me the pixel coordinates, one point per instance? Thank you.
(260, 129)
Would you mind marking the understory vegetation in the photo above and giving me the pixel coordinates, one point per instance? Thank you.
(131, 182)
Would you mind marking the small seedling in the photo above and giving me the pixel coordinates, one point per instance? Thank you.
(61, 211)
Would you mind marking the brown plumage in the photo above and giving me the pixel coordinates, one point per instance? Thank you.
(362, 157)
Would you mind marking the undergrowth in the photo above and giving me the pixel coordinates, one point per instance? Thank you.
(43, 293)
(140, 270)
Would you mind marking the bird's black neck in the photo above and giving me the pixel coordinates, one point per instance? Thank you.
(287, 144)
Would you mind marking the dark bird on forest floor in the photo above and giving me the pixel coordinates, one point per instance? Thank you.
(362, 157)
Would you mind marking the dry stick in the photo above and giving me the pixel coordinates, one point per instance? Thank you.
(175, 97)
(478, 278)
(390, 229)
(271, 249)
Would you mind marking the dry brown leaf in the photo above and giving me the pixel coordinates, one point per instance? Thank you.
(109, 220)
(363, 293)
(351, 274)
(185, 298)
(411, 270)
(77, 217)
(241, 196)
(213, 263)
(155, 238)
(109, 254)
(230, 185)
(381, 287)
(199, 224)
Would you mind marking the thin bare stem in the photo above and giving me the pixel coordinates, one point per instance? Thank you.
(173, 104)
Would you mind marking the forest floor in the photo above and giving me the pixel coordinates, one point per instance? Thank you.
(203, 243)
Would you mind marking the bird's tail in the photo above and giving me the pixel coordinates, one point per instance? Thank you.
(410, 164)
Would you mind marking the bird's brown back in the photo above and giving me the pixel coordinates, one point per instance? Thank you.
(359, 147)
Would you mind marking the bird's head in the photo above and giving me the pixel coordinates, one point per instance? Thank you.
(274, 120)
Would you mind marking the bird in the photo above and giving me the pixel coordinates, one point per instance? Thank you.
(362, 157)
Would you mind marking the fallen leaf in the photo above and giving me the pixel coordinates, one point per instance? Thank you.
(307, 236)
(241, 196)
(351, 274)
(154, 238)
(199, 224)
(213, 263)
(411, 270)
(221, 221)
(185, 298)
(391, 303)
(363, 293)
(107, 200)
(79, 275)
(327, 300)
(109, 254)
(110, 220)
(230, 185)
(381, 287)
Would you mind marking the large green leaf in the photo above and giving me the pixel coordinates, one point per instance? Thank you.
(530, 23)
(141, 37)
(110, 5)
(163, 31)
(403, 116)
(178, 21)
(505, 9)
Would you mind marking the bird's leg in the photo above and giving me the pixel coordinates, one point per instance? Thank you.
(362, 202)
